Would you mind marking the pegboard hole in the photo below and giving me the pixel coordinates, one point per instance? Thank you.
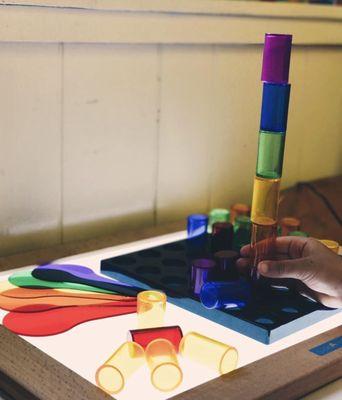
(150, 254)
(148, 269)
(173, 247)
(290, 310)
(124, 260)
(264, 321)
(174, 281)
(173, 262)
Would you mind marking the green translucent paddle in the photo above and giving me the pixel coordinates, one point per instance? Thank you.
(25, 279)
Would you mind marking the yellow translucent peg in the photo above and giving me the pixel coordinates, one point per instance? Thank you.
(151, 309)
(331, 244)
(162, 360)
(112, 375)
(265, 199)
(210, 352)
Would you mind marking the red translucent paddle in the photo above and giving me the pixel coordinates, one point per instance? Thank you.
(48, 303)
(59, 320)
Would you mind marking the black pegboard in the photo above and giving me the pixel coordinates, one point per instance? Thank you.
(271, 315)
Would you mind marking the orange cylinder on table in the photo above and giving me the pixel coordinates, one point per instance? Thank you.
(151, 306)
(161, 358)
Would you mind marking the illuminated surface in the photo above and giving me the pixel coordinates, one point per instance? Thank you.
(69, 348)
(113, 374)
(151, 306)
(161, 358)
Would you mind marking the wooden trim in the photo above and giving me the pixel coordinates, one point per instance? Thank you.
(202, 7)
(27, 371)
(208, 22)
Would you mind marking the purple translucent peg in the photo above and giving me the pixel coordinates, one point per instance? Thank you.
(276, 59)
(201, 271)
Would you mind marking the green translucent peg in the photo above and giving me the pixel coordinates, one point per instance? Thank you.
(242, 232)
(218, 215)
(298, 233)
(270, 154)
(25, 279)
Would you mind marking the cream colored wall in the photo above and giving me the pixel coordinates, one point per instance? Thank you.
(97, 137)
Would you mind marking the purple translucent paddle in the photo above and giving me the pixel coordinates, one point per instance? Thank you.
(84, 275)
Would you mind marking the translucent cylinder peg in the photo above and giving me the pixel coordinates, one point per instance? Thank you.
(239, 209)
(331, 244)
(242, 232)
(212, 353)
(270, 154)
(225, 295)
(151, 307)
(298, 233)
(263, 243)
(218, 215)
(145, 336)
(161, 358)
(202, 270)
(113, 374)
(289, 224)
(222, 236)
(265, 199)
(197, 225)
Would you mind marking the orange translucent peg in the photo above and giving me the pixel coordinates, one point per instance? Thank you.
(289, 224)
(161, 358)
(151, 307)
(210, 352)
(331, 244)
(113, 374)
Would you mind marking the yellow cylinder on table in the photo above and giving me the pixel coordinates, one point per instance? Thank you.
(151, 306)
(210, 352)
(162, 360)
(112, 375)
(331, 244)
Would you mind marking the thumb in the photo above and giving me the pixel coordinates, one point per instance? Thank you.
(301, 268)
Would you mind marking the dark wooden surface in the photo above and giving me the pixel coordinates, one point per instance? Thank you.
(26, 372)
(318, 204)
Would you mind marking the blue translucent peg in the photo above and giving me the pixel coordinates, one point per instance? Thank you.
(225, 295)
(197, 225)
(275, 104)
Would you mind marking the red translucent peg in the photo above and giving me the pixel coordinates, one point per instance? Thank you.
(143, 337)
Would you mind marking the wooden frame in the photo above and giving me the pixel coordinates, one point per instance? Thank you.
(28, 373)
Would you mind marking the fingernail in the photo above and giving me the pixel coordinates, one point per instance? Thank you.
(263, 268)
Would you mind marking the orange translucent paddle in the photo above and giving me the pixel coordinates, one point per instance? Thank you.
(24, 293)
(59, 320)
(47, 303)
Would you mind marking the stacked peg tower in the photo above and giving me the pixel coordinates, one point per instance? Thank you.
(274, 110)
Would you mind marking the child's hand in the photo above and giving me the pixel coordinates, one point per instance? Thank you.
(307, 260)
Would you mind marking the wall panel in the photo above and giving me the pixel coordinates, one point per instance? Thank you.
(237, 106)
(110, 127)
(30, 151)
(186, 131)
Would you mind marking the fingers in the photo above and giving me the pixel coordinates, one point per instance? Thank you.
(291, 246)
(302, 269)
